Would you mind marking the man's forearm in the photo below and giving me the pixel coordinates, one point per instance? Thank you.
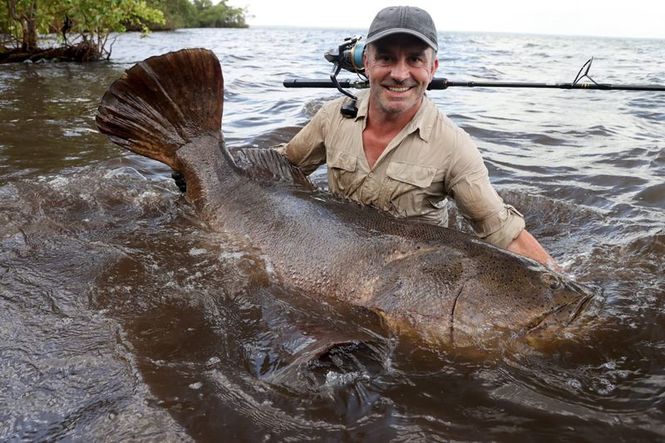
(525, 244)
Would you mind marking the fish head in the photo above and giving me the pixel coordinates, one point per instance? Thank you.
(477, 298)
(518, 297)
(573, 308)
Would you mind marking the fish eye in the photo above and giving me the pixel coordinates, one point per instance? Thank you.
(552, 281)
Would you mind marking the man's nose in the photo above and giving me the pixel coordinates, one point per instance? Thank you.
(400, 70)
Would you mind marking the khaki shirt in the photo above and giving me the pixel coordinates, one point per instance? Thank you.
(430, 159)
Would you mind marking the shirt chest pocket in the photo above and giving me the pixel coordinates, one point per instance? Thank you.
(404, 188)
(341, 173)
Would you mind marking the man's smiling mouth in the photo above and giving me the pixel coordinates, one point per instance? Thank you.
(398, 88)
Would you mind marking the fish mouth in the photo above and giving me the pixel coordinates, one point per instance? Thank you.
(561, 316)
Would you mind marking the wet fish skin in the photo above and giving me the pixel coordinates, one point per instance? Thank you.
(435, 282)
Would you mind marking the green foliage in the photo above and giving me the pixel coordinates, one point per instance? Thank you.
(177, 13)
(89, 23)
(22, 22)
(5, 26)
(94, 20)
(219, 16)
(100, 17)
(199, 14)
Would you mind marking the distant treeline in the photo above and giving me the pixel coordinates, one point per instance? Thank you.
(197, 14)
(82, 28)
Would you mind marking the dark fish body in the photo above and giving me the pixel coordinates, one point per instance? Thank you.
(439, 283)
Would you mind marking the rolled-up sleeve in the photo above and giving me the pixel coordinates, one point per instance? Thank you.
(491, 219)
(468, 183)
(512, 223)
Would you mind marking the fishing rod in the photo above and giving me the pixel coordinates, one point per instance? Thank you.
(444, 83)
(348, 56)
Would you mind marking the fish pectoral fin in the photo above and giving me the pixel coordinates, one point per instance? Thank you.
(268, 165)
(312, 365)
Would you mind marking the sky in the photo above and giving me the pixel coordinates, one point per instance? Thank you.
(611, 18)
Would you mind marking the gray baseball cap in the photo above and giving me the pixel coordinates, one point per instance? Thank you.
(403, 20)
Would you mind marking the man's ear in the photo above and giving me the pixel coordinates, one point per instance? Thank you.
(435, 66)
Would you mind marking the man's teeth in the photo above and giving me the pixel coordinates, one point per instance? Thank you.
(398, 89)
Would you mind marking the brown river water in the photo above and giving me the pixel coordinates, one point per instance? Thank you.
(123, 317)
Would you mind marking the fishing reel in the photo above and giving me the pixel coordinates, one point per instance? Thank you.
(348, 56)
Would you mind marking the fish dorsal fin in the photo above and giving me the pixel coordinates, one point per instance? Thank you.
(268, 165)
(163, 102)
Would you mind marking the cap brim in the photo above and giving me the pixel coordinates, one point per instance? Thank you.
(387, 32)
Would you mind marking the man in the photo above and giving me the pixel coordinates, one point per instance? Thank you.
(400, 153)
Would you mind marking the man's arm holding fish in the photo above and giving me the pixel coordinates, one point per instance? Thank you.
(492, 220)
(307, 149)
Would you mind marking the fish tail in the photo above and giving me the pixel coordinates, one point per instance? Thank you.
(163, 102)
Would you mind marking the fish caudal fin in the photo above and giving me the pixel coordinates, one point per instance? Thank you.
(163, 102)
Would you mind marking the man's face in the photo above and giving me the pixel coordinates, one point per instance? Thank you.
(399, 68)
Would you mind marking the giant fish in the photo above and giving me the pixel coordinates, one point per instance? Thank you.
(435, 283)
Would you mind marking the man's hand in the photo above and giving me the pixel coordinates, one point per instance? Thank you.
(525, 244)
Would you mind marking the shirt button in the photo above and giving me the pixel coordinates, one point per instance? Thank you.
(370, 175)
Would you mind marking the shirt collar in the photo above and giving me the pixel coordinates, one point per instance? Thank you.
(363, 104)
(423, 121)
